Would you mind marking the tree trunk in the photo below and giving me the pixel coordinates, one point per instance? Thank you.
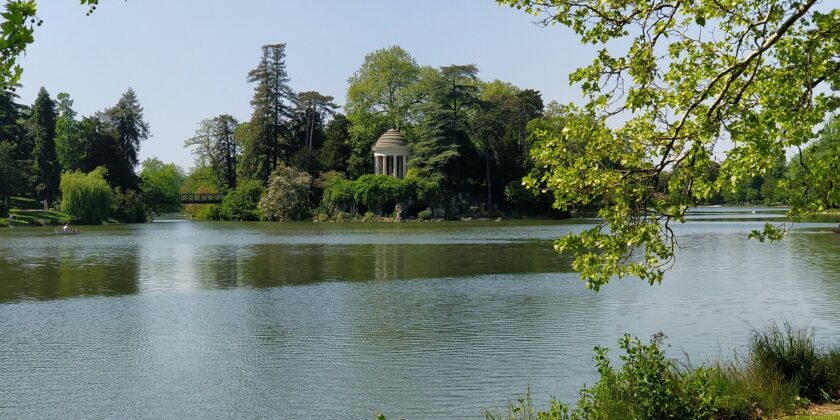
(487, 168)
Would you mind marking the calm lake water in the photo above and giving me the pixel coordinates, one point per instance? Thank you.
(437, 320)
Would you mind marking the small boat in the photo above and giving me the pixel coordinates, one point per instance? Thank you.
(69, 232)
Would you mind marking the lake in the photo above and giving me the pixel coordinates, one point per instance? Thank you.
(185, 319)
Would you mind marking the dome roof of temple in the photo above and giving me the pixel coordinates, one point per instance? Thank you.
(391, 139)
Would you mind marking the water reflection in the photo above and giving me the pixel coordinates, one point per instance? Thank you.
(45, 266)
(417, 320)
(272, 265)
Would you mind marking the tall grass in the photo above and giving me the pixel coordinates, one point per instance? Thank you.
(745, 391)
(782, 370)
(792, 352)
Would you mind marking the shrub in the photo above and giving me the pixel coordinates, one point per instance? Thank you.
(425, 214)
(375, 192)
(86, 197)
(342, 217)
(241, 202)
(128, 207)
(647, 386)
(772, 379)
(287, 195)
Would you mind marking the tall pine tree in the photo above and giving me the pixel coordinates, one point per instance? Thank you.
(273, 103)
(125, 121)
(41, 129)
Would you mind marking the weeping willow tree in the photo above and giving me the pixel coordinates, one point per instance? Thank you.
(683, 100)
(86, 197)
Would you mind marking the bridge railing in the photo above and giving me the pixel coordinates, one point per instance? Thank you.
(200, 198)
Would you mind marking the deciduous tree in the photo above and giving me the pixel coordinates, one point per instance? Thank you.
(672, 80)
(161, 185)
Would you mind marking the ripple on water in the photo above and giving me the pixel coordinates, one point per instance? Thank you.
(170, 320)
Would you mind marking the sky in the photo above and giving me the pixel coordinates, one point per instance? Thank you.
(188, 59)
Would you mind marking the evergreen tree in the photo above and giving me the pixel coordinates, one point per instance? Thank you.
(337, 146)
(11, 179)
(11, 129)
(15, 148)
(99, 147)
(125, 121)
(226, 148)
(41, 129)
(273, 103)
(433, 150)
(455, 91)
(68, 135)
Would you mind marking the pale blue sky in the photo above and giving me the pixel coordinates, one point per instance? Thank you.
(188, 59)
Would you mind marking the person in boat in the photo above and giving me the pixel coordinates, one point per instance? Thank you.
(66, 228)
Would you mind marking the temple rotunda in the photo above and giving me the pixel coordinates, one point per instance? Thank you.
(390, 154)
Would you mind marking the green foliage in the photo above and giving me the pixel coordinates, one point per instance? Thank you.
(747, 391)
(16, 33)
(388, 82)
(384, 93)
(793, 354)
(433, 151)
(336, 150)
(128, 206)
(125, 122)
(658, 104)
(201, 180)
(424, 214)
(215, 146)
(86, 197)
(374, 192)
(112, 139)
(813, 176)
(41, 128)
(161, 185)
(311, 113)
(523, 409)
(648, 385)
(783, 370)
(241, 203)
(10, 172)
(287, 195)
(267, 137)
(69, 142)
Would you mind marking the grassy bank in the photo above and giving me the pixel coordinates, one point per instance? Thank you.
(783, 372)
(28, 212)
